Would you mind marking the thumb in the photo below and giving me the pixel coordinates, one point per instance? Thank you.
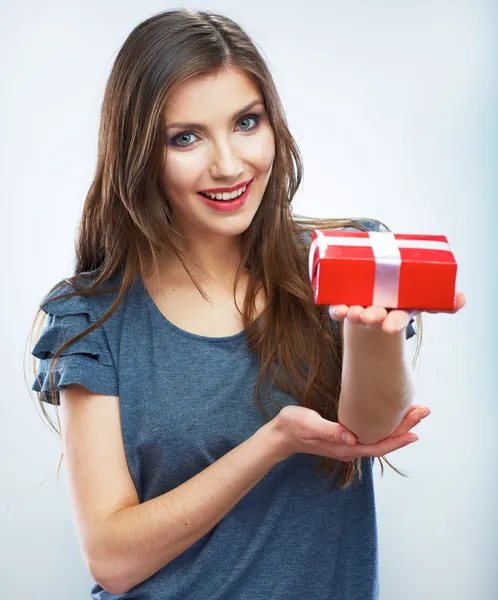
(335, 433)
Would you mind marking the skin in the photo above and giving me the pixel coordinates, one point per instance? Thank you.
(232, 147)
(392, 321)
(378, 320)
(124, 541)
(226, 152)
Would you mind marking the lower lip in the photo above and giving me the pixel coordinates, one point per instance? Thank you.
(228, 205)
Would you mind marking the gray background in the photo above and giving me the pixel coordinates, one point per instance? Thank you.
(393, 105)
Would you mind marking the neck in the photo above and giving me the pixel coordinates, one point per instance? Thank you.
(215, 258)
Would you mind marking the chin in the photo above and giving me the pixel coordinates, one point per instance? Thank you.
(233, 229)
(232, 224)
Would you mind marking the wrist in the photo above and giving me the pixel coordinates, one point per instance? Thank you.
(273, 438)
(372, 338)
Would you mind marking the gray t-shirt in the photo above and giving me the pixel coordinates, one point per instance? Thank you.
(185, 401)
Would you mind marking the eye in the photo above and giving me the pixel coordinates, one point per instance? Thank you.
(249, 118)
(182, 139)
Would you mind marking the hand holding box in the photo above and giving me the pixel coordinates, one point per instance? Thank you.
(395, 271)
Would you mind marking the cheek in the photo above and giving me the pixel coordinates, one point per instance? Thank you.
(262, 151)
(181, 170)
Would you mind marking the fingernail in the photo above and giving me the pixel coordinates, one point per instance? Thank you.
(413, 439)
(426, 413)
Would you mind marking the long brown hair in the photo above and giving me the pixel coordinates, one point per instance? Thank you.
(126, 222)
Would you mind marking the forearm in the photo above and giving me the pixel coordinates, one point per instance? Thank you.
(135, 542)
(377, 385)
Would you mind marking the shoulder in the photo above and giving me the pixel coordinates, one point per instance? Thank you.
(86, 350)
(70, 297)
(366, 225)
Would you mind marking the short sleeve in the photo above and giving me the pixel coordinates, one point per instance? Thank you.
(87, 362)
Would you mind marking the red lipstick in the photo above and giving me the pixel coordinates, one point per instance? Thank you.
(229, 205)
(221, 190)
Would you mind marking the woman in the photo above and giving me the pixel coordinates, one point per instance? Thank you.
(197, 381)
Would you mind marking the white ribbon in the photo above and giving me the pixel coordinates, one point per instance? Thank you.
(387, 256)
(387, 269)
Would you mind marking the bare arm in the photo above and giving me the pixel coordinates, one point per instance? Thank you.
(377, 382)
(124, 542)
(164, 527)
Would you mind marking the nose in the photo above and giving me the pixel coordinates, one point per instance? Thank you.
(225, 163)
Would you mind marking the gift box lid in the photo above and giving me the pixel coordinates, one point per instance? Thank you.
(372, 245)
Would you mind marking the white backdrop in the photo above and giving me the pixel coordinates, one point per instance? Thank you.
(393, 105)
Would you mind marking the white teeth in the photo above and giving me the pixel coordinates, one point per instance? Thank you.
(226, 195)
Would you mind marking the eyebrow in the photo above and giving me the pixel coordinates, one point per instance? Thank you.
(201, 126)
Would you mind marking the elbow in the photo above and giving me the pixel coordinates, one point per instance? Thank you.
(112, 580)
(369, 438)
(367, 434)
(370, 429)
(105, 566)
(376, 418)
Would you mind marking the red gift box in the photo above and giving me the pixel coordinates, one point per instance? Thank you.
(385, 269)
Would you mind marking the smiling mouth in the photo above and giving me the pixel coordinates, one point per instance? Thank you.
(226, 196)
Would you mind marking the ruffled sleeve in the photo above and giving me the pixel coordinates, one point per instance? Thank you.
(87, 362)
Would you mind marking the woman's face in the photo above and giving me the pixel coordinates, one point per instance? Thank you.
(217, 136)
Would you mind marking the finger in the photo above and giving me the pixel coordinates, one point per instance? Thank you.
(461, 300)
(412, 408)
(347, 436)
(373, 315)
(396, 321)
(338, 312)
(411, 420)
(354, 314)
(321, 429)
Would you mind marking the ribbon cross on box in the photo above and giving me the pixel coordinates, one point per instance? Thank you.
(385, 269)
